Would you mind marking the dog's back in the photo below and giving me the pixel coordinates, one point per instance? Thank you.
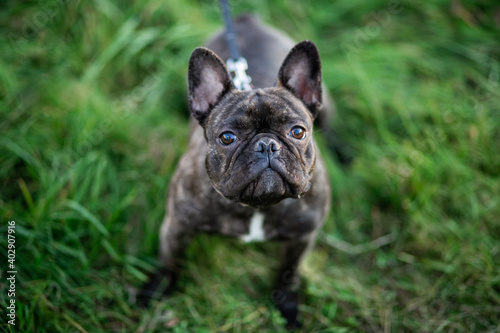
(263, 47)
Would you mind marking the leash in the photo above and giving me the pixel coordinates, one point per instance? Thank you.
(236, 63)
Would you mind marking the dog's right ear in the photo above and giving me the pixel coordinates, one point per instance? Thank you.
(300, 73)
(208, 80)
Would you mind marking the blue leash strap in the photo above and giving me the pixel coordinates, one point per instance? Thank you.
(236, 63)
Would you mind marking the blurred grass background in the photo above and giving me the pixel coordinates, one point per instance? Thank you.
(93, 119)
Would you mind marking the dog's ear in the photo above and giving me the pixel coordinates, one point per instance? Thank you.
(208, 80)
(301, 74)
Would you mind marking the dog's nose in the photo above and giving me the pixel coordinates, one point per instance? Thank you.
(267, 147)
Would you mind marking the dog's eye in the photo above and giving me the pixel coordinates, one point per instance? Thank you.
(298, 133)
(227, 138)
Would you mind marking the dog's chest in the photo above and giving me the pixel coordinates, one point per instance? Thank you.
(249, 228)
(256, 232)
(285, 221)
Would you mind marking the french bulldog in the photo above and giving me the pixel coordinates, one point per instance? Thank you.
(252, 169)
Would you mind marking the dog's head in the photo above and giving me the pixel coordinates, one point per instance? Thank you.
(260, 148)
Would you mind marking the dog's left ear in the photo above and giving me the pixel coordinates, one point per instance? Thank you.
(208, 81)
(301, 74)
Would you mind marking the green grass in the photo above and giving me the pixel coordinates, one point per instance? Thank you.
(93, 121)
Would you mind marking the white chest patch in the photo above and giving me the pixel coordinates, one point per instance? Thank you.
(256, 232)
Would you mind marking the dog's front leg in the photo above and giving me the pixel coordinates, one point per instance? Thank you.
(173, 240)
(284, 294)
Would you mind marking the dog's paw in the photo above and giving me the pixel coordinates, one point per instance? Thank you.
(161, 284)
(293, 325)
(287, 303)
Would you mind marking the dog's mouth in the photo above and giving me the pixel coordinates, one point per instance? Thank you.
(260, 182)
(266, 189)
